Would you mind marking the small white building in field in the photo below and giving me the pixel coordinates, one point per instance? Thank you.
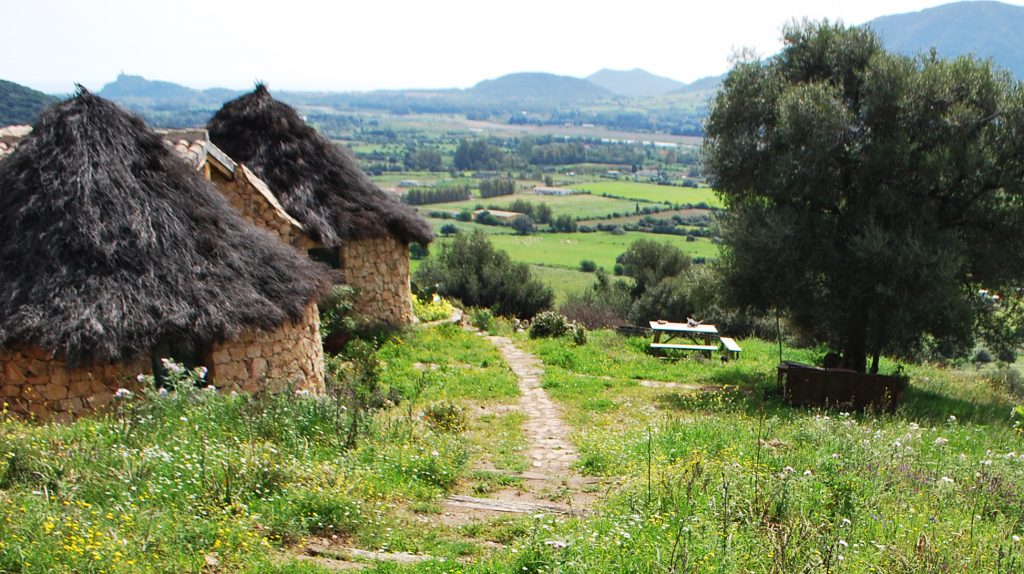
(540, 190)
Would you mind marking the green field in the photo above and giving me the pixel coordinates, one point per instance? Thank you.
(563, 281)
(579, 206)
(568, 249)
(653, 192)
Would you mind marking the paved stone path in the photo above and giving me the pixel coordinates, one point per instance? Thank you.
(550, 450)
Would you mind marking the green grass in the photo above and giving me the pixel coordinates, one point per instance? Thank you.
(568, 249)
(730, 481)
(582, 206)
(653, 192)
(163, 483)
(737, 482)
(563, 281)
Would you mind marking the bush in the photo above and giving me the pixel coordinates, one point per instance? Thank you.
(649, 262)
(337, 313)
(482, 319)
(523, 225)
(669, 299)
(551, 324)
(432, 308)
(470, 269)
(588, 266)
(981, 355)
(449, 229)
(445, 416)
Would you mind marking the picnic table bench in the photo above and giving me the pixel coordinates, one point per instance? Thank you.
(702, 338)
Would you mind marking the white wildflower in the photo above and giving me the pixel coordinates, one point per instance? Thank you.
(807, 472)
(941, 441)
(556, 544)
(1016, 538)
(843, 543)
(947, 480)
(140, 378)
(914, 426)
(122, 394)
(951, 419)
(201, 371)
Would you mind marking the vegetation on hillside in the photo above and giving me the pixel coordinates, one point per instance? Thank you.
(21, 105)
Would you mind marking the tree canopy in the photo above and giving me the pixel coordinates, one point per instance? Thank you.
(869, 194)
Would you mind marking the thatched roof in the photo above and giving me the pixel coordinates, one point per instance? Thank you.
(110, 244)
(316, 181)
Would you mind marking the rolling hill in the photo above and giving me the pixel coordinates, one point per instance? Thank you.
(634, 83)
(21, 105)
(536, 86)
(985, 29)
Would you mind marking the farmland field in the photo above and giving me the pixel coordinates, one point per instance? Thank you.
(653, 192)
(568, 249)
(581, 206)
(563, 281)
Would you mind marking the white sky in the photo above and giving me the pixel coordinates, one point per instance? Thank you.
(385, 44)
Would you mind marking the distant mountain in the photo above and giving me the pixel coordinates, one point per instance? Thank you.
(705, 83)
(634, 83)
(129, 89)
(539, 87)
(985, 29)
(21, 105)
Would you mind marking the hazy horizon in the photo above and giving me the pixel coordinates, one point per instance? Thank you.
(309, 46)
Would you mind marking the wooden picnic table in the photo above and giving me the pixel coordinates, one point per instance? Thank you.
(703, 338)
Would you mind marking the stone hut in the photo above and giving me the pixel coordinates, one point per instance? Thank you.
(356, 227)
(114, 254)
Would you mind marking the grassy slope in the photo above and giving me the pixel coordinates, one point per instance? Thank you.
(653, 192)
(707, 482)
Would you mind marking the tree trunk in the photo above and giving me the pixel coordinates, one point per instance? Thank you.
(855, 348)
(874, 361)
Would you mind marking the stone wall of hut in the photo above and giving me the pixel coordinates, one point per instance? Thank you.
(34, 383)
(250, 196)
(379, 269)
(290, 357)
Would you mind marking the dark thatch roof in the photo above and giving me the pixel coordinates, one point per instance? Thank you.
(317, 182)
(111, 244)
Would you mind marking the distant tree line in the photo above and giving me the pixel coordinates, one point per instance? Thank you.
(425, 196)
(497, 186)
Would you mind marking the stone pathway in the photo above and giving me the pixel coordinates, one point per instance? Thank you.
(550, 451)
(550, 454)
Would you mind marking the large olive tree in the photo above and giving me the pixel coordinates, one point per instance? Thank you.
(869, 194)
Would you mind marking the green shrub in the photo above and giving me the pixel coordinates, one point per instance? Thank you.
(337, 312)
(470, 269)
(588, 266)
(552, 324)
(445, 416)
(482, 319)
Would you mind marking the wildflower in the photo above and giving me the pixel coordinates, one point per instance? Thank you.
(201, 371)
(941, 441)
(1016, 538)
(914, 426)
(951, 419)
(556, 544)
(210, 389)
(162, 392)
(788, 470)
(846, 522)
(835, 455)
(807, 472)
(122, 394)
(434, 453)
(302, 393)
(140, 378)
(183, 419)
(985, 462)
(843, 543)
(947, 480)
